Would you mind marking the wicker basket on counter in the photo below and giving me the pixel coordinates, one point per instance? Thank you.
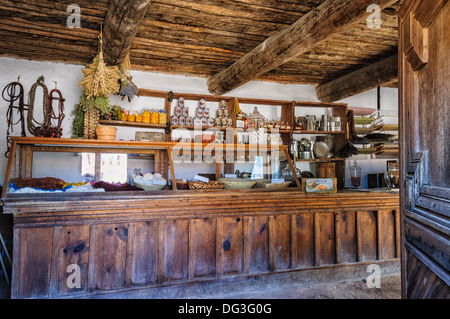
(204, 186)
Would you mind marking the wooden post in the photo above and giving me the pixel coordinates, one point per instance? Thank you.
(121, 25)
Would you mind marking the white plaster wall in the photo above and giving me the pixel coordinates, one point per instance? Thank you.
(68, 76)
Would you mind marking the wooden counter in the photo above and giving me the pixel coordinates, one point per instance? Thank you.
(137, 244)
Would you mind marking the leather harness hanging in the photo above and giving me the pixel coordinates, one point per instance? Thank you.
(13, 93)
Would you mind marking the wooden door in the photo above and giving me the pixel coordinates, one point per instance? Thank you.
(424, 88)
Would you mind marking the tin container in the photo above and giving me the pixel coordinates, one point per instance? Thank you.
(189, 121)
(199, 112)
(210, 122)
(230, 122)
(224, 122)
(185, 111)
(201, 103)
(219, 113)
(206, 112)
(174, 120)
(182, 120)
(178, 110)
(197, 121)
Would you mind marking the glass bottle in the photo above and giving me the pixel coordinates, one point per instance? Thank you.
(355, 175)
(255, 119)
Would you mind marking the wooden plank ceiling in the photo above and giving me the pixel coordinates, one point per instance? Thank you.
(195, 37)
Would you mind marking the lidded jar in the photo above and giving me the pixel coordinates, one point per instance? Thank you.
(355, 175)
(255, 119)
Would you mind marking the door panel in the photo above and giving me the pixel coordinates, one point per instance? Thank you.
(424, 80)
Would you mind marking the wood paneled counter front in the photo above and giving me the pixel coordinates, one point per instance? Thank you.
(146, 244)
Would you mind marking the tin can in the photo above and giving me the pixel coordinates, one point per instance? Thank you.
(230, 122)
(224, 122)
(225, 113)
(204, 121)
(219, 113)
(217, 121)
(174, 120)
(206, 112)
(182, 120)
(189, 121)
(197, 121)
(199, 112)
(185, 111)
(181, 101)
(178, 111)
(210, 122)
(202, 103)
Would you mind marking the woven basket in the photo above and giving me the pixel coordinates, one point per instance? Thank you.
(203, 185)
(241, 183)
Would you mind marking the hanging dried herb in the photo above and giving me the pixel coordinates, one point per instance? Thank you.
(78, 121)
(127, 88)
(100, 79)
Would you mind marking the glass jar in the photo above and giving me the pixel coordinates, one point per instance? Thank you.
(392, 176)
(162, 117)
(255, 119)
(124, 115)
(155, 117)
(146, 117)
(131, 116)
(355, 175)
(139, 118)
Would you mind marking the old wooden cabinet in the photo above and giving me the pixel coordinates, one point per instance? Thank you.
(164, 245)
(425, 116)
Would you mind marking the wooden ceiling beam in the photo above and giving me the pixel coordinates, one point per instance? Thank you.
(330, 17)
(383, 73)
(121, 25)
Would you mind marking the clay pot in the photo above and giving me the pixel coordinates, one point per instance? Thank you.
(106, 132)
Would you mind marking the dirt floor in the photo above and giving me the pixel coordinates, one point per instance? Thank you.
(390, 288)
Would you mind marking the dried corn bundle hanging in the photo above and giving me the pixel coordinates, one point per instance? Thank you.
(98, 82)
(100, 79)
(91, 119)
(127, 87)
(236, 108)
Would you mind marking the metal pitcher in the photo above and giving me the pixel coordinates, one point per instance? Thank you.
(310, 122)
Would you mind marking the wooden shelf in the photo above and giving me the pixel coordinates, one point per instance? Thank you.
(132, 124)
(288, 113)
(321, 160)
(239, 129)
(200, 128)
(318, 132)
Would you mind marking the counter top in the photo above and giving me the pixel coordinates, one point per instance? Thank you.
(190, 202)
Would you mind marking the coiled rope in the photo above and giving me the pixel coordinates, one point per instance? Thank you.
(34, 129)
